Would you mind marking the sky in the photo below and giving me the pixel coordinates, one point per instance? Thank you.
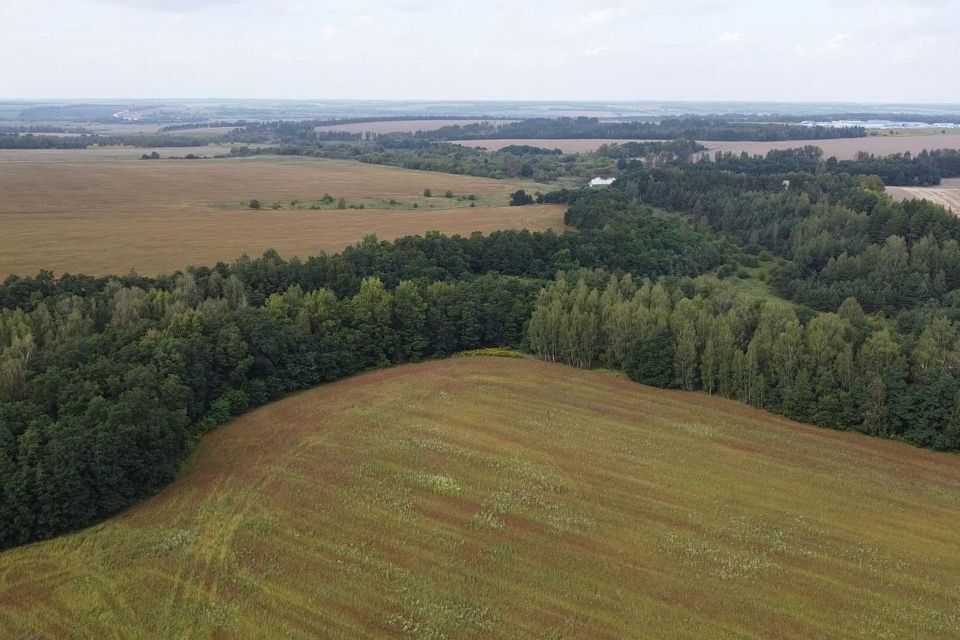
(817, 50)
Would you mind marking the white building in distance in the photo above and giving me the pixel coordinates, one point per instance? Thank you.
(601, 182)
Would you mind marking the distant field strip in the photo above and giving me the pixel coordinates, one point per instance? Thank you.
(571, 145)
(109, 213)
(947, 193)
(514, 499)
(847, 148)
(842, 148)
(403, 126)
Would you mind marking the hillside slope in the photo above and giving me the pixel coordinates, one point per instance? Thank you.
(506, 498)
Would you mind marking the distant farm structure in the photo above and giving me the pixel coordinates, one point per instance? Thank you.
(600, 181)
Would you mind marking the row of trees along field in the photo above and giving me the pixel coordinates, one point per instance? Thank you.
(842, 369)
(85, 141)
(688, 128)
(105, 382)
(513, 161)
(924, 169)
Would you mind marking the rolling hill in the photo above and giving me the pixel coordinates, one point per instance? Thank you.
(509, 498)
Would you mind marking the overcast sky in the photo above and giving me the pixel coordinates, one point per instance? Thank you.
(844, 50)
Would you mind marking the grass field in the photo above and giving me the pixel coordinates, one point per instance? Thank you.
(946, 193)
(505, 498)
(105, 211)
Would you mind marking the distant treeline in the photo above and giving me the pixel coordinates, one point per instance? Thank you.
(517, 161)
(31, 141)
(690, 128)
(924, 169)
(189, 126)
(893, 117)
(42, 128)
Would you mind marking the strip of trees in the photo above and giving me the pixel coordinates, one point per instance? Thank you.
(688, 128)
(843, 369)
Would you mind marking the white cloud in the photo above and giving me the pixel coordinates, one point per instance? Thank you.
(596, 51)
(832, 46)
(728, 37)
(496, 49)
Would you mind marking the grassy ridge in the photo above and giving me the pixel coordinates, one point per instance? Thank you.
(495, 497)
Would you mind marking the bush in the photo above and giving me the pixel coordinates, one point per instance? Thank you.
(427, 193)
(254, 204)
(520, 198)
(650, 361)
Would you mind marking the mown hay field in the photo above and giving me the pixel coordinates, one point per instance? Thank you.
(509, 498)
(105, 211)
(947, 193)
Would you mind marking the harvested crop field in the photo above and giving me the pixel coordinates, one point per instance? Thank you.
(403, 126)
(947, 193)
(109, 213)
(847, 148)
(509, 498)
(842, 148)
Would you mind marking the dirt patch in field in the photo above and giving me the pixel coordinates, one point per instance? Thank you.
(947, 193)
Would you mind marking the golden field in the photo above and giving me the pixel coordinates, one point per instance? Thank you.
(947, 193)
(104, 211)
